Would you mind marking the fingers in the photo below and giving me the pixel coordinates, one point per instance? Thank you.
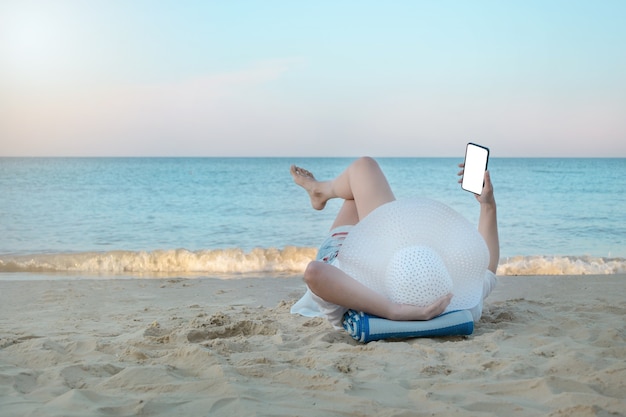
(462, 166)
(461, 172)
(443, 302)
(412, 312)
(438, 307)
(487, 185)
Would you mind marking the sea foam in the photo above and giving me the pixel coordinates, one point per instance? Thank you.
(175, 261)
(232, 262)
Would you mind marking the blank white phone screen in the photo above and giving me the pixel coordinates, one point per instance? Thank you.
(475, 167)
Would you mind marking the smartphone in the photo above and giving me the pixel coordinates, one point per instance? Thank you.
(476, 159)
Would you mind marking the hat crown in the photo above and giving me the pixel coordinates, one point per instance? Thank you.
(417, 275)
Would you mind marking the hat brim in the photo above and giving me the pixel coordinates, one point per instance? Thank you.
(371, 244)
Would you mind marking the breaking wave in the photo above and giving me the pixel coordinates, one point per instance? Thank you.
(561, 265)
(233, 262)
(176, 261)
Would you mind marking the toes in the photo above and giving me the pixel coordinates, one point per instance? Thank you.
(296, 170)
(305, 173)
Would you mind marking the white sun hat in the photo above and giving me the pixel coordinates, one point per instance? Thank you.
(416, 250)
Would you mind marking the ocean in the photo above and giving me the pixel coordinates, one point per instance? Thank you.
(235, 217)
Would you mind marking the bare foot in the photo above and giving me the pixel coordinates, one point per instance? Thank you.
(306, 180)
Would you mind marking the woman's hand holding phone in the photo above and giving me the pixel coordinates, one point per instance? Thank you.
(474, 167)
(474, 175)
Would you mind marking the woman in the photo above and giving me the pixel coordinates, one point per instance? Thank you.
(364, 187)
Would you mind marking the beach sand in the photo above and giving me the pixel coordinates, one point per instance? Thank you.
(546, 346)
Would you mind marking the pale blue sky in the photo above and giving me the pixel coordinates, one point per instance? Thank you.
(312, 78)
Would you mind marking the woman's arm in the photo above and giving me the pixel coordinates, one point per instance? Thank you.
(337, 287)
(488, 221)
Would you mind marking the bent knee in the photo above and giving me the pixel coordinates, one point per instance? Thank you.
(314, 273)
(367, 162)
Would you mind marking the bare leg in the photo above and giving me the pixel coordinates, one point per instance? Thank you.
(363, 181)
(347, 215)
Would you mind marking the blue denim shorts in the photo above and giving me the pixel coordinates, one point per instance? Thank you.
(329, 249)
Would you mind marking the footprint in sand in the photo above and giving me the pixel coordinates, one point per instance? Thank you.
(220, 326)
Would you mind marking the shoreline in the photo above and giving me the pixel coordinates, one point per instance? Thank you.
(546, 345)
(236, 263)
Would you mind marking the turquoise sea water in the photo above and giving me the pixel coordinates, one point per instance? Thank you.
(231, 216)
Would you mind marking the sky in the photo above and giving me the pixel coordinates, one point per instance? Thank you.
(535, 78)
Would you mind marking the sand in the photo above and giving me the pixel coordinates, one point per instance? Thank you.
(546, 346)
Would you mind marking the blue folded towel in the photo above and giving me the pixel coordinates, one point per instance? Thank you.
(365, 328)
